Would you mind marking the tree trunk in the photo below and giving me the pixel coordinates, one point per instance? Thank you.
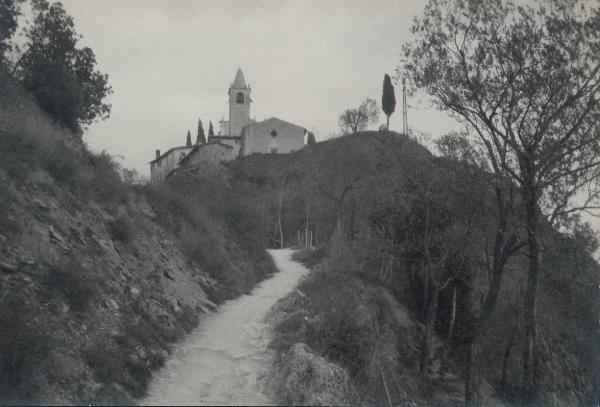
(279, 216)
(505, 360)
(425, 290)
(472, 375)
(387, 126)
(306, 228)
(530, 350)
(452, 314)
(430, 317)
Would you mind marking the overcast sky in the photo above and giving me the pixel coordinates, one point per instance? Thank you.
(171, 62)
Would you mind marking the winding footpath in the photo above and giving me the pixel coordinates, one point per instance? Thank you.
(225, 359)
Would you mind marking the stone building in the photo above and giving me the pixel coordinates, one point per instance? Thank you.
(214, 152)
(163, 164)
(241, 133)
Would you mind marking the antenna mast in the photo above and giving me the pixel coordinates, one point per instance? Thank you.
(404, 111)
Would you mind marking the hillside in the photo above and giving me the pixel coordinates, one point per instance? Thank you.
(99, 278)
(361, 180)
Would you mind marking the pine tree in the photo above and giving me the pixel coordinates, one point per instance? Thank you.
(211, 132)
(388, 100)
(188, 140)
(201, 138)
(310, 139)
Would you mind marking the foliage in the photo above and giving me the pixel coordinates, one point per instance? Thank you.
(188, 139)
(211, 131)
(310, 139)
(201, 138)
(388, 99)
(221, 227)
(79, 286)
(459, 147)
(355, 120)
(61, 76)
(30, 142)
(9, 12)
(121, 230)
(527, 81)
(479, 64)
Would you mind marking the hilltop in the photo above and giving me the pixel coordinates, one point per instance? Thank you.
(362, 180)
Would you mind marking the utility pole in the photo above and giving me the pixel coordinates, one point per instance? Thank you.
(404, 111)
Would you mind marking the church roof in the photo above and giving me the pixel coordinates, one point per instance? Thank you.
(239, 82)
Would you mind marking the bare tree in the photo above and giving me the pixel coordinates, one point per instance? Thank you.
(355, 120)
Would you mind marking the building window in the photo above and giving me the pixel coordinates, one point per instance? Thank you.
(273, 151)
(273, 133)
(239, 98)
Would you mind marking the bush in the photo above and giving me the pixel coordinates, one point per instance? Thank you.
(79, 287)
(309, 257)
(121, 230)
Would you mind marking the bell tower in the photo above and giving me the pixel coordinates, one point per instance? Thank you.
(239, 104)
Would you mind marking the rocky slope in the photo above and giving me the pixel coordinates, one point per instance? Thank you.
(95, 283)
(86, 306)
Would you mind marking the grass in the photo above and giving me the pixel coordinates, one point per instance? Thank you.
(221, 227)
(30, 141)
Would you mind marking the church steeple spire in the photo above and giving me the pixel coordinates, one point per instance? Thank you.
(239, 82)
(239, 104)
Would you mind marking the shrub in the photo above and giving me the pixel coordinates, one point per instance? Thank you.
(8, 225)
(106, 183)
(79, 287)
(121, 230)
(310, 257)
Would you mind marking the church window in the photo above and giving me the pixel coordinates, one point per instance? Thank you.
(239, 98)
(273, 133)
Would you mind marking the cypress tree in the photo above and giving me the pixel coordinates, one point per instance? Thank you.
(388, 100)
(211, 132)
(201, 138)
(188, 139)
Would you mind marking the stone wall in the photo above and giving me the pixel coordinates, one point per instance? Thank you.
(161, 167)
(212, 152)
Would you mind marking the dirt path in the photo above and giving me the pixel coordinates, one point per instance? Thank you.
(224, 360)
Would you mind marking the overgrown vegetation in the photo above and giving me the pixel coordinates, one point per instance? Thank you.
(61, 76)
(222, 226)
(369, 197)
(85, 314)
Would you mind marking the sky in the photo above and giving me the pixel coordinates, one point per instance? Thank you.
(171, 63)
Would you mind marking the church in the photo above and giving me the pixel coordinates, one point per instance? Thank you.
(237, 137)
